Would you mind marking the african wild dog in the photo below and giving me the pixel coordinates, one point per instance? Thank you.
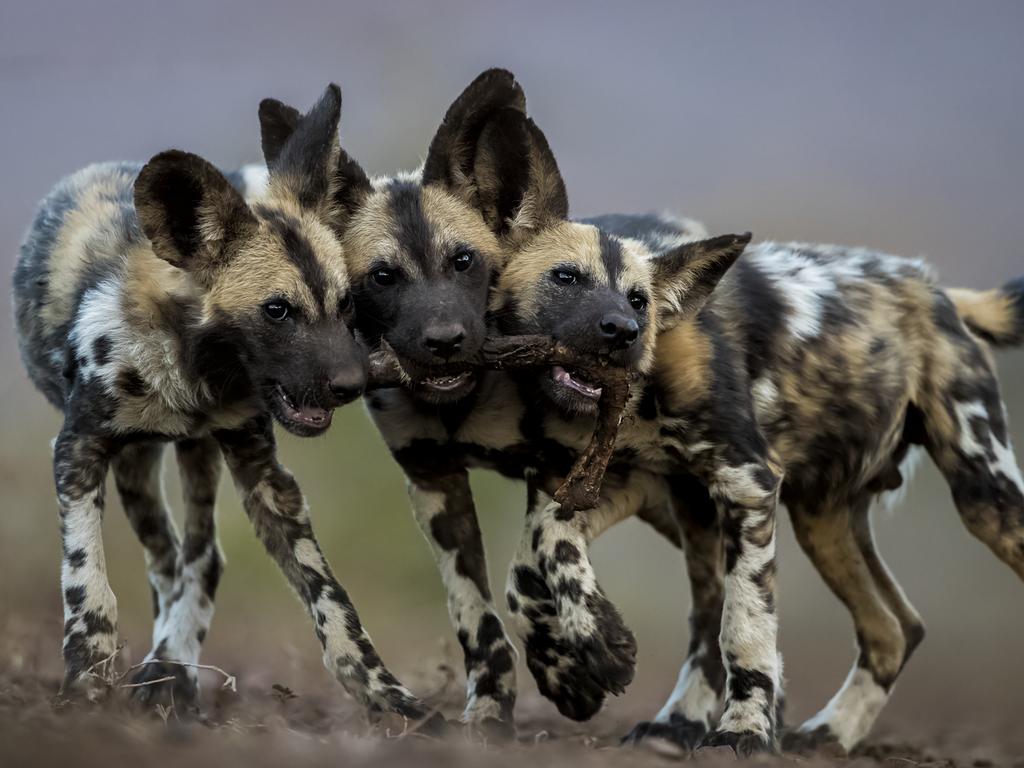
(423, 250)
(154, 304)
(844, 359)
(853, 359)
(799, 348)
(490, 195)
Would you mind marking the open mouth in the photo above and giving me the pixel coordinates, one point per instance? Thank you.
(574, 380)
(301, 419)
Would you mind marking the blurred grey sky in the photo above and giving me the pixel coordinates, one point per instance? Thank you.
(891, 125)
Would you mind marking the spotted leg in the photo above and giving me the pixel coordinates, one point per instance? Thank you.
(279, 513)
(687, 716)
(186, 612)
(577, 646)
(746, 496)
(443, 507)
(975, 455)
(832, 535)
(80, 464)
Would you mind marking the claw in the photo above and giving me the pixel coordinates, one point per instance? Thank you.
(744, 743)
(679, 730)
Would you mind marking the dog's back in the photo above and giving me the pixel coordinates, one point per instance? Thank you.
(78, 239)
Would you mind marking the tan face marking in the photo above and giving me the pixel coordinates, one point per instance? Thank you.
(261, 267)
(373, 238)
(578, 246)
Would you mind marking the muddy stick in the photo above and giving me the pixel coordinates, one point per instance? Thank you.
(582, 486)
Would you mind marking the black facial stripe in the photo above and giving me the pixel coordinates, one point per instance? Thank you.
(611, 255)
(301, 253)
(411, 228)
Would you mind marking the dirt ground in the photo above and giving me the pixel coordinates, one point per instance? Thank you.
(311, 722)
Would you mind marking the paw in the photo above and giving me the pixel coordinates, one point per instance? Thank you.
(490, 717)
(679, 730)
(820, 740)
(492, 730)
(743, 743)
(437, 726)
(84, 688)
(563, 679)
(609, 655)
(167, 685)
(398, 701)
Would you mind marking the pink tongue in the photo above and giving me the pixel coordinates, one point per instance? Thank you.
(563, 377)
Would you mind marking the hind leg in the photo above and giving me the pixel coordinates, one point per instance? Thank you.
(187, 610)
(137, 471)
(687, 715)
(891, 592)
(137, 476)
(975, 454)
(827, 534)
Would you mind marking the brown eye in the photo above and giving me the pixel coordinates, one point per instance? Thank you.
(637, 301)
(565, 276)
(276, 309)
(462, 260)
(383, 276)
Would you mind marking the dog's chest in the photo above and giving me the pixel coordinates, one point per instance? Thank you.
(135, 377)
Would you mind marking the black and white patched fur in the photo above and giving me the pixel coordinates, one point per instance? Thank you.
(153, 305)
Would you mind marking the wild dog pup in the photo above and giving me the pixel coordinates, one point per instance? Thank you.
(155, 305)
(846, 359)
(490, 192)
(423, 251)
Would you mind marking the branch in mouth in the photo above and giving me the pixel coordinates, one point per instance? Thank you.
(582, 486)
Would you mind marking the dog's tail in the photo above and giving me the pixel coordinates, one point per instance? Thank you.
(997, 316)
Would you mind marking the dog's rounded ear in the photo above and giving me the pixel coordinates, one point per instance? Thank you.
(684, 277)
(189, 211)
(278, 122)
(452, 150)
(519, 187)
(495, 158)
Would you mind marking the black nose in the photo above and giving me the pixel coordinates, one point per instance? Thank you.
(347, 385)
(444, 340)
(618, 330)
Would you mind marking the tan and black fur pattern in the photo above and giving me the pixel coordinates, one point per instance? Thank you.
(712, 433)
(852, 358)
(156, 305)
(423, 251)
(490, 186)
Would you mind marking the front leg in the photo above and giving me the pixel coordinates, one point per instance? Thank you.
(746, 495)
(278, 511)
(80, 464)
(443, 507)
(686, 717)
(577, 646)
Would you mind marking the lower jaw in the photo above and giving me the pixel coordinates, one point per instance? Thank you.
(298, 428)
(568, 400)
(301, 428)
(433, 395)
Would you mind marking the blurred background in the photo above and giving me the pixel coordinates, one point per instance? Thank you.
(891, 125)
